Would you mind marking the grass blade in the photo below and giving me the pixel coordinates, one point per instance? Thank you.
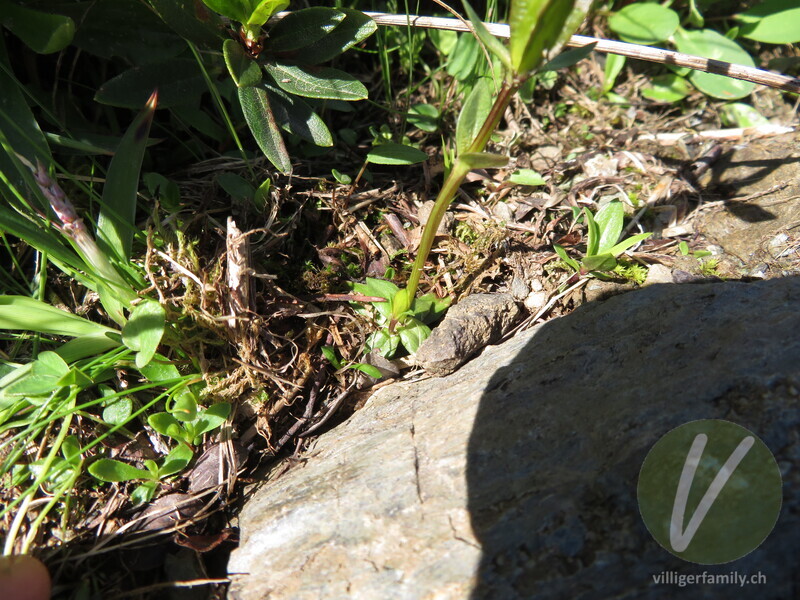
(21, 313)
(115, 226)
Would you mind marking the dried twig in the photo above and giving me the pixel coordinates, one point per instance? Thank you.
(648, 53)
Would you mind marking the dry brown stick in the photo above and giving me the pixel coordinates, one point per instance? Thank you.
(657, 55)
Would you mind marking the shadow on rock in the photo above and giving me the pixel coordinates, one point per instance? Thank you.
(561, 433)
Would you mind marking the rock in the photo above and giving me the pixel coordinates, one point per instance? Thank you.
(597, 289)
(658, 274)
(469, 326)
(516, 476)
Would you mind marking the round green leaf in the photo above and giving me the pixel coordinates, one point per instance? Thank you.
(667, 88)
(184, 406)
(526, 177)
(738, 114)
(395, 154)
(424, 117)
(712, 45)
(119, 411)
(772, 22)
(644, 23)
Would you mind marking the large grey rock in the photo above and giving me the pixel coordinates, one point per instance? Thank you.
(515, 477)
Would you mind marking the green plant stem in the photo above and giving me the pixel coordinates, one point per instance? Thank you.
(453, 182)
(504, 96)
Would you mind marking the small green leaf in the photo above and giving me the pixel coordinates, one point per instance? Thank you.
(592, 233)
(599, 262)
(342, 178)
(483, 160)
(609, 220)
(667, 88)
(369, 370)
(474, 112)
(261, 121)
(71, 449)
(244, 70)
(401, 303)
(739, 114)
(45, 375)
(75, 377)
(144, 330)
(330, 354)
(160, 370)
(303, 27)
(772, 22)
(238, 10)
(429, 308)
(395, 154)
(176, 461)
(424, 117)
(613, 67)
(42, 32)
(383, 342)
(627, 243)
(645, 23)
(264, 9)
(166, 424)
(317, 82)
(376, 287)
(412, 334)
(106, 469)
(214, 416)
(151, 467)
(184, 405)
(494, 45)
(562, 254)
(526, 177)
(119, 411)
(695, 18)
(144, 492)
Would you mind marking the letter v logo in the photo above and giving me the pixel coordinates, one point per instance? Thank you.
(680, 540)
(705, 464)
